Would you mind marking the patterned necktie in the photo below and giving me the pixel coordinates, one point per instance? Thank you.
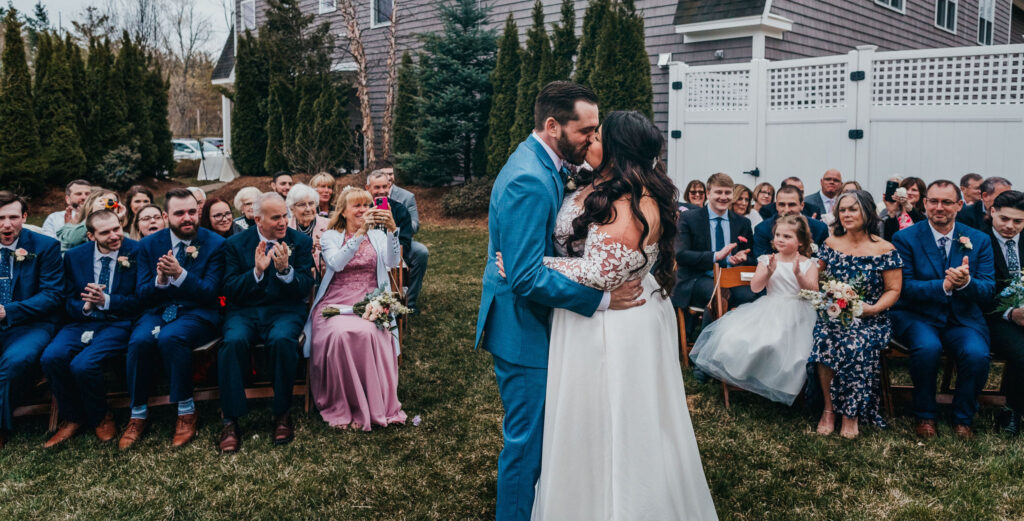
(104, 279)
(1012, 260)
(6, 284)
(180, 254)
(171, 311)
(943, 241)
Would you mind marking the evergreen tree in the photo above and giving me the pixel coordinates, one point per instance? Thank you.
(249, 114)
(131, 69)
(503, 104)
(76, 68)
(625, 79)
(37, 24)
(322, 138)
(536, 70)
(278, 107)
(20, 161)
(454, 69)
(156, 88)
(105, 121)
(406, 109)
(44, 56)
(593, 19)
(564, 42)
(58, 130)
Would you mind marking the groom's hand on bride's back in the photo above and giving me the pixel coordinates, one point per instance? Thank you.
(627, 295)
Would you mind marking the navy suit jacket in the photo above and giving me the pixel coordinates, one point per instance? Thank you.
(37, 282)
(240, 284)
(923, 298)
(1002, 272)
(693, 249)
(763, 235)
(973, 215)
(200, 292)
(79, 271)
(810, 211)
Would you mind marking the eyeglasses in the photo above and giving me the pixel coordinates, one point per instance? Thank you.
(307, 204)
(941, 202)
(697, 192)
(221, 216)
(151, 218)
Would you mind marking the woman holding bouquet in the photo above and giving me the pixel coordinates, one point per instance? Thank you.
(847, 353)
(354, 364)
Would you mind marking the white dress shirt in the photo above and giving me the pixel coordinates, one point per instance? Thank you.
(176, 281)
(285, 278)
(55, 221)
(949, 247)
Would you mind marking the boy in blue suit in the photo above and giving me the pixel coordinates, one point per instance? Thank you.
(30, 297)
(100, 300)
(180, 274)
(514, 312)
(947, 278)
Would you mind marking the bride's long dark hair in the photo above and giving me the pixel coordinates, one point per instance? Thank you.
(631, 165)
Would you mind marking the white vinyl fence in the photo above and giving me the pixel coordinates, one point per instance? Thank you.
(933, 113)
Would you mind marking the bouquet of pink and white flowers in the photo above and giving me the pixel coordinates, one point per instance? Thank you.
(837, 301)
(378, 306)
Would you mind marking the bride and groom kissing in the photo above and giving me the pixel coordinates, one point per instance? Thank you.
(575, 313)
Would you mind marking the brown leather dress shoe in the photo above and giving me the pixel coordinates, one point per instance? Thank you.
(107, 429)
(185, 429)
(64, 433)
(132, 433)
(963, 432)
(926, 429)
(284, 433)
(230, 438)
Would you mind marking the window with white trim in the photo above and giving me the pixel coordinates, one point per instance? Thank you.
(986, 17)
(380, 12)
(896, 5)
(945, 15)
(248, 8)
(328, 6)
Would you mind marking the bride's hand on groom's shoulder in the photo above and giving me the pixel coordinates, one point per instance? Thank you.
(627, 295)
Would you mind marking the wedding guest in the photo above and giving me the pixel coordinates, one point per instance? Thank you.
(883, 212)
(811, 211)
(947, 278)
(775, 331)
(101, 303)
(73, 234)
(740, 204)
(764, 195)
(281, 183)
(302, 204)
(148, 220)
(900, 213)
(970, 186)
(323, 183)
(415, 254)
(199, 194)
(136, 197)
(354, 364)
(30, 300)
(267, 280)
(789, 201)
(851, 186)
(244, 200)
(976, 215)
(405, 197)
(915, 192)
(75, 193)
(831, 186)
(695, 193)
(702, 243)
(216, 216)
(846, 356)
(1007, 328)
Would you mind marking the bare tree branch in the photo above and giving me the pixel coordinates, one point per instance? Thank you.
(391, 70)
(188, 33)
(355, 41)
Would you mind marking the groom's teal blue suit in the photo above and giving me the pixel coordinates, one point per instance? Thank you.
(514, 318)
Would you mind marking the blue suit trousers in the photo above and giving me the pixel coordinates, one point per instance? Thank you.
(174, 344)
(75, 368)
(20, 347)
(522, 392)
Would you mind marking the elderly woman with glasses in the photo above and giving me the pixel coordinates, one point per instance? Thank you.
(244, 200)
(302, 202)
(216, 216)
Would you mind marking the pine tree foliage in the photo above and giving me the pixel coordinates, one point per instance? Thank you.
(564, 42)
(76, 68)
(624, 81)
(504, 80)
(593, 19)
(407, 113)
(454, 78)
(105, 128)
(20, 160)
(535, 67)
(249, 114)
(156, 88)
(322, 139)
(58, 130)
(278, 105)
(131, 68)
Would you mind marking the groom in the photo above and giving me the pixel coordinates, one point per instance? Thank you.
(515, 311)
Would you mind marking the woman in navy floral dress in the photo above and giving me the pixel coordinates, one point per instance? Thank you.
(847, 357)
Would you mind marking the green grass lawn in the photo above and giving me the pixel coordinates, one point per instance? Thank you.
(762, 460)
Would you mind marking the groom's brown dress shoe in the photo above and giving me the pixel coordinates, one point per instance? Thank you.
(230, 438)
(185, 429)
(926, 429)
(107, 429)
(132, 433)
(283, 431)
(64, 433)
(963, 432)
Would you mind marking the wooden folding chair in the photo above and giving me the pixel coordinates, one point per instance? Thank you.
(725, 279)
(685, 345)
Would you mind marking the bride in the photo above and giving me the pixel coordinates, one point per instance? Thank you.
(618, 442)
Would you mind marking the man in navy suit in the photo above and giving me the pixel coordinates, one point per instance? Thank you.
(974, 215)
(810, 210)
(267, 280)
(947, 278)
(180, 273)
(30, 298)
(789, 201)
(101, 303)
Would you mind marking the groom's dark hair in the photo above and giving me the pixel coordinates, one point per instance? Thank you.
(558, 100)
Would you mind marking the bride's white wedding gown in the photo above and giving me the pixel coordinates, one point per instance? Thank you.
(618, 441)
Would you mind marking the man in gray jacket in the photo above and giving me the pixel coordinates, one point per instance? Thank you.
(418, 255)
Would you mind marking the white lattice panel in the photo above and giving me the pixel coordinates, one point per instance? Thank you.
(718, 91)
(985, 79)
(808, 87)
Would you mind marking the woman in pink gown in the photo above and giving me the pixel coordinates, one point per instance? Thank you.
(354, 364)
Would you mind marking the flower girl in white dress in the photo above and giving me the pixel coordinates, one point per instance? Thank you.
(763, 346)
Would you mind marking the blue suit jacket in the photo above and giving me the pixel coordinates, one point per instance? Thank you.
(763, 235)
(922, 298)
(200, 292)
(515, 312)
(37, 282)
(78, 271)
(240, 285)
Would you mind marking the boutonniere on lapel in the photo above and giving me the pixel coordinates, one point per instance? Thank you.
(124, 263)
(22, 255)
(965, 242)
(192, 251)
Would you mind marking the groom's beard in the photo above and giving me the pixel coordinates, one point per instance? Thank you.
(570, 153)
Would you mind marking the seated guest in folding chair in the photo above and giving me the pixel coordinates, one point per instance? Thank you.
(30, 297)
(1007, 327)
(180, 274)
(101, 303)
(416, 255)
(267, 280)
(789, 201)
(947, 278)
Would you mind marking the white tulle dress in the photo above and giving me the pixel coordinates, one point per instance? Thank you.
(618, 441)
(763, 346)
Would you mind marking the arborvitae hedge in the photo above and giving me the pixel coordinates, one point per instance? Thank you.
(503, 104)
(564, 42)
(20, 153)
(536, 67)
